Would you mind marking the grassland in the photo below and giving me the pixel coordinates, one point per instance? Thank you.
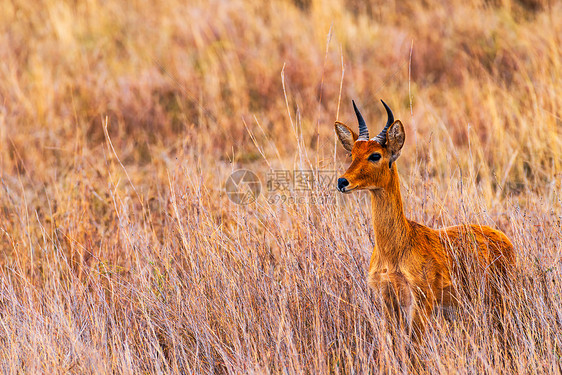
(120, 122)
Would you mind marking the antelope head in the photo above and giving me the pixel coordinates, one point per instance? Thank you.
(372, 160)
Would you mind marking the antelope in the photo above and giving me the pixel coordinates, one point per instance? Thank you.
(413, 265)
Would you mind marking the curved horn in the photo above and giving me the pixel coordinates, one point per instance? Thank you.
(363, 131)
(381, 138)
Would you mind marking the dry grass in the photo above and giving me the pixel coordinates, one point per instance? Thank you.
(120, 251)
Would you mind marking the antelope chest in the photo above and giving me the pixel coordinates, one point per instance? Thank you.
(393, 284)
(379, 277)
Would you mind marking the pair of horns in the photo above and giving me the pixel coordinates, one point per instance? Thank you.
(364, 132)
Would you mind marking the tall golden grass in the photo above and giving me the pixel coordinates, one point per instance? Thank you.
(121, 121)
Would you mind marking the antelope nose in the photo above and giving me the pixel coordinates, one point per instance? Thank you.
(342, 183)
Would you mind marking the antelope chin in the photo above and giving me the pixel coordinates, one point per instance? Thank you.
(346, 190)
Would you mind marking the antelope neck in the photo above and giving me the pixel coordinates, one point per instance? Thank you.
(392, 229)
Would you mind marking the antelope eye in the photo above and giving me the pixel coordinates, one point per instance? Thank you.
(375, 157)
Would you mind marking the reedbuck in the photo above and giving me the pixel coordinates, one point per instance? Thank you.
(415, 267)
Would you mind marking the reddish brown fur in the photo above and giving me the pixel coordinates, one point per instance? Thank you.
(411, 264)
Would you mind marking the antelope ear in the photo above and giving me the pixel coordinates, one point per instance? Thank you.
(395, 138)
(346, 135)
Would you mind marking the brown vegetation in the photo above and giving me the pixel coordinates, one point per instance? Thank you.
(121, 120)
